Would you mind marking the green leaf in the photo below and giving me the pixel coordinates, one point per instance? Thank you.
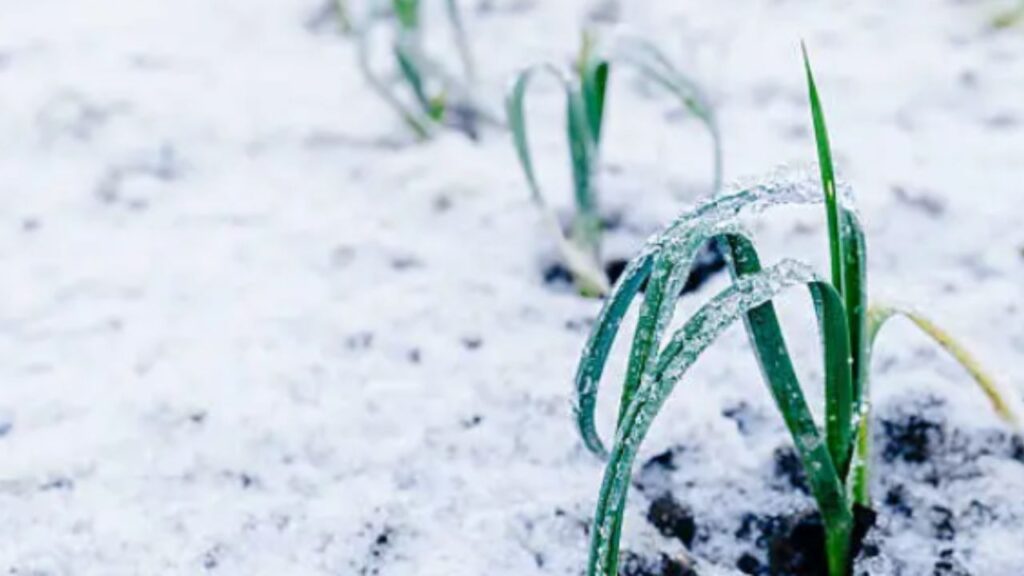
(583, 155)
(847, 255)
(410, 69)
(686, 345)
(695, 228)
(828, 181)
(581, 251)
(838, 378)
(437, 107)
(595, 353)
(408, 13)
(856, 300)
(663, 263)
(417, 122)
(670, 269)
(593, 73)
(824, 472)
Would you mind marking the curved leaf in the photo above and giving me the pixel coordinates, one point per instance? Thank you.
(685, 346)
(878, 316)
(595, 353)
(415, 121)
(708, 221)
(653, 64)
(580, 254)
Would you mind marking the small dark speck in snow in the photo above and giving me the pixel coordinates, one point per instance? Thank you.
(342, 256)
(246, 480)
(414, 355)
(359, 341)
(405, 262)
(948, 565)
(1002, 121)
(789, 468)
(30, 224)
(896, 500)
(58, 483)
(942, 523)
(210, 558)
(557, 274)
(924, 201)
(739, 413)
(6, 423)
(1016, 448)
(442, 203)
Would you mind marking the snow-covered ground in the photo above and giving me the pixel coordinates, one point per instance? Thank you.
(245, 330)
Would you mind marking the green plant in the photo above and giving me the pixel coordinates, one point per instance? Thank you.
(836, 458)
(585, 89)
(432, 97)
(1010, 17)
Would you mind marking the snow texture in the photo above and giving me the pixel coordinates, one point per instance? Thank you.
(248, 327)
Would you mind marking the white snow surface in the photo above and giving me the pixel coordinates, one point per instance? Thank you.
(245, 330)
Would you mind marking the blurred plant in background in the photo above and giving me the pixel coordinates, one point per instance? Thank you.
(1010, 17)
(421, 90)
(585, 85)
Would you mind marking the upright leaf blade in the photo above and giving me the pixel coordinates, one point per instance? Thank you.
(838, 377)
(828, 181)
(583, 155)
(856, 301)
(847, 259)
(595, 86)
(822, 467)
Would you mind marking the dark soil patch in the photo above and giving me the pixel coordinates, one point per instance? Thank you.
(918, 449)
(664, 565)
(672, 519)
(709, 261)
(795, 543)
(911, 439)
(790, 469)
(918, 438)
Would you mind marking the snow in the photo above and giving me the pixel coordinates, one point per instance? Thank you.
(246, 329)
